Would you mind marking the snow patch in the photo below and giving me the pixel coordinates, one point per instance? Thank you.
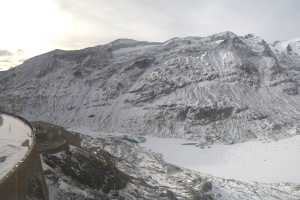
(250, 161)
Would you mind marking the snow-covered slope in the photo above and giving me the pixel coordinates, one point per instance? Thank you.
(289, 46)
(222, 88)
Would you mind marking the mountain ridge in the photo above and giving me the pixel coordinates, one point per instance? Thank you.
(220, 88)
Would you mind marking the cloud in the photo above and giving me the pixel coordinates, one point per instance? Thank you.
(5, 53)
(10, 59)
(73, 24)
(103, 20)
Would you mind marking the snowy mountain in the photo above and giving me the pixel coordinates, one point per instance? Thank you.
(222, 88)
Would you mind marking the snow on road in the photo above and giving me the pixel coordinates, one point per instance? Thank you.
(14, 134)
(277, 161)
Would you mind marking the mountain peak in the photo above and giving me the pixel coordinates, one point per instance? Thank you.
(227, 34)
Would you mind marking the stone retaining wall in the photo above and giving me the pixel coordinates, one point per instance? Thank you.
(25, 181)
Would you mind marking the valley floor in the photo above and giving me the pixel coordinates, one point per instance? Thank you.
(271, 162)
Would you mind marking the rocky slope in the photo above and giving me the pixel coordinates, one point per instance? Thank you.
(110, 168)
(117, 167)
(222, 88)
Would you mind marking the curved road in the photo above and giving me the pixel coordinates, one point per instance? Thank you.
(16, 140)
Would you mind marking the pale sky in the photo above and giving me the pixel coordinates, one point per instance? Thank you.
(32, 27)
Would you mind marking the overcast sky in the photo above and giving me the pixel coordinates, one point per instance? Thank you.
(33, 27)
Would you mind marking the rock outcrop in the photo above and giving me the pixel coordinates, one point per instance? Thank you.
(105, 168)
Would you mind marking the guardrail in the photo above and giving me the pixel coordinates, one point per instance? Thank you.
(26, 177)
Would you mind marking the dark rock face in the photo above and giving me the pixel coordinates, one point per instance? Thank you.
(208, 115)
(96, 172)
(206, 187)
(52, 138)
(3, 158)
(1, 120)
(93, 169)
